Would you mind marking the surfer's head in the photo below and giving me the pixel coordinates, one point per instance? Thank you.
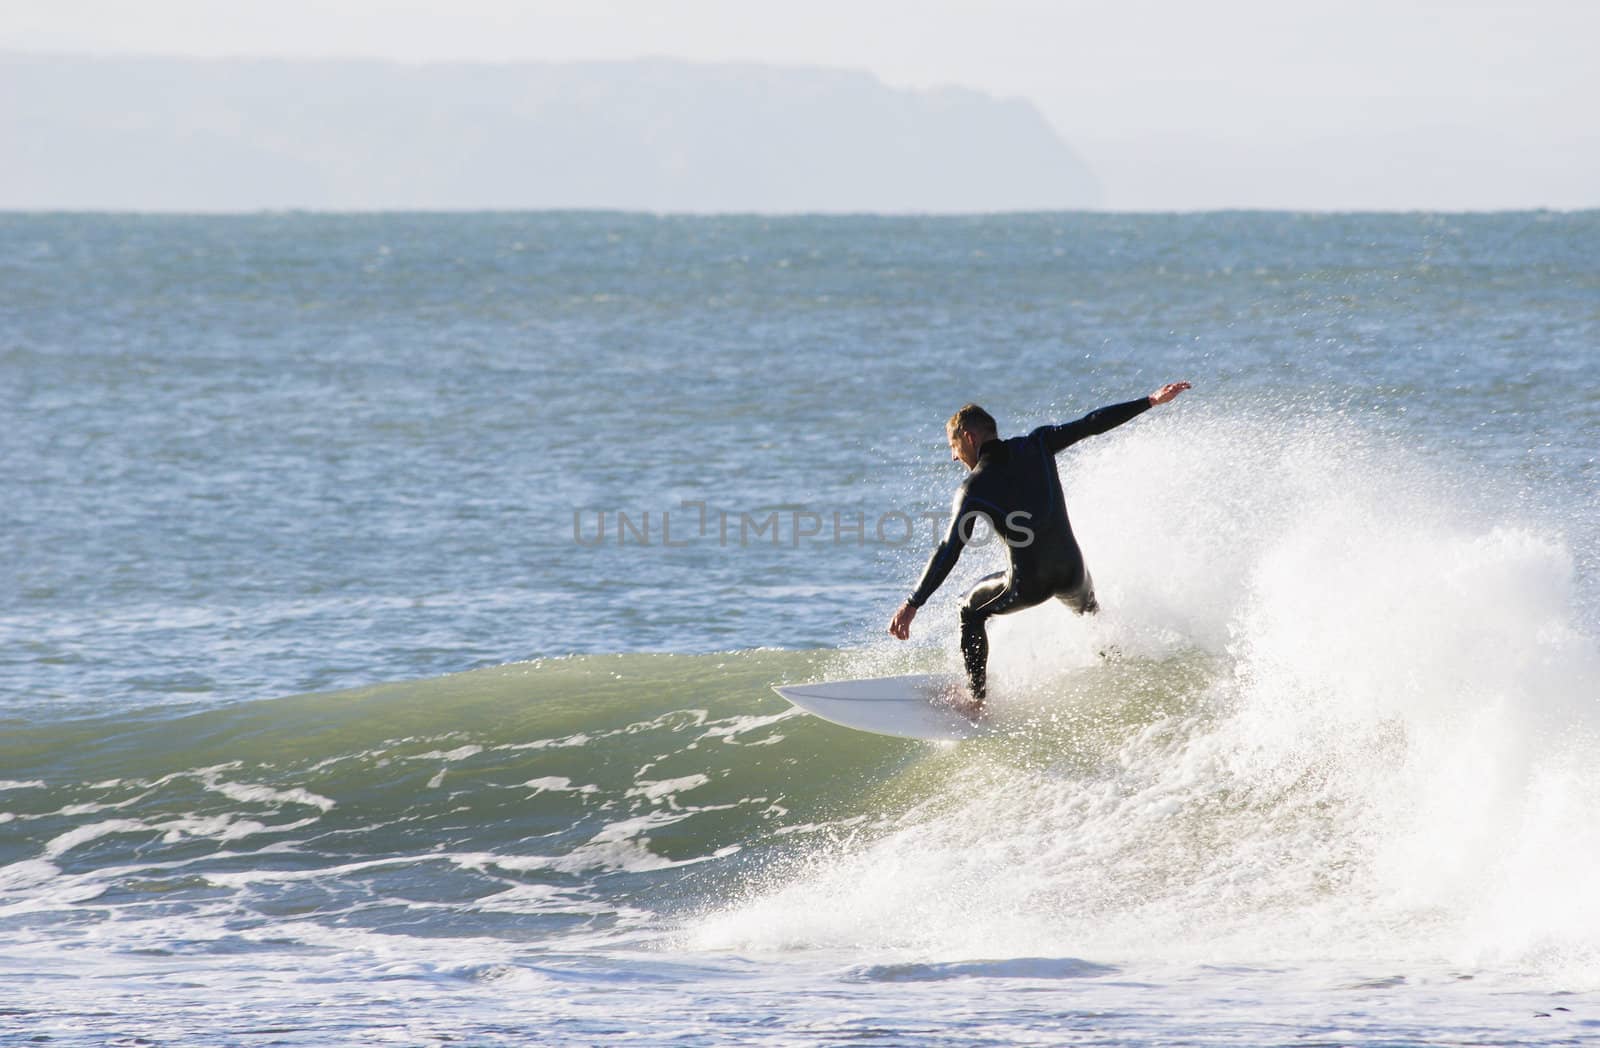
(966, 431)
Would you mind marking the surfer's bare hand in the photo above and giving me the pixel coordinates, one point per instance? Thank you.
(1168, 392)
(900, 625)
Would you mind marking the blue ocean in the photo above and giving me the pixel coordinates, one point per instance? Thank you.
(392, 602)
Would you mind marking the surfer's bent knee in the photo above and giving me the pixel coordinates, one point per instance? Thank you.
(1080, 598)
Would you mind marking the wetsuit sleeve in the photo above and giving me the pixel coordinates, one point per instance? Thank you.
(1095, 422)
(944, 557)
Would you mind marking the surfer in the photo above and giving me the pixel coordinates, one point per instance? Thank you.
(1013, 485)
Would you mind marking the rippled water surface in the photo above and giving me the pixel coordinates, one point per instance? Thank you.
(393, 602)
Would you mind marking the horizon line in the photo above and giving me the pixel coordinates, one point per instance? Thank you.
(116, 212)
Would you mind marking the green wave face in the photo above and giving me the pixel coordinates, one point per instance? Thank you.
(582, 795)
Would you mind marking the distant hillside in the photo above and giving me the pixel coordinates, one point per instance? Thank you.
(170, 135)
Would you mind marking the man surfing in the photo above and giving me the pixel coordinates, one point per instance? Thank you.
(1013, 485)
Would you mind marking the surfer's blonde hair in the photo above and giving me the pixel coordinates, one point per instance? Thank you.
(972, 419)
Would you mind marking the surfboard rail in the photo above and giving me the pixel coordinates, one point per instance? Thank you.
(913, 706)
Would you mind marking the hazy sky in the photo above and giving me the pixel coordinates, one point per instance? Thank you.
(1174, 104)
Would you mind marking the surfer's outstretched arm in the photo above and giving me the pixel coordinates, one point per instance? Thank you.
(1110, 417)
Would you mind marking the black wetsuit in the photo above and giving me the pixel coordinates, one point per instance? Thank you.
(1016, 488)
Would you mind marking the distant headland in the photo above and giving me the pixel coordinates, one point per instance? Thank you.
(159, 134)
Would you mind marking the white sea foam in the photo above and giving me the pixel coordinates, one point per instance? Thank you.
(81, 835)
(732, 729)
(460, 753)
(667, 789)
(257, 794)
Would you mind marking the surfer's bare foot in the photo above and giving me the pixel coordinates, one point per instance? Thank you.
(968, 707)
(959, 700)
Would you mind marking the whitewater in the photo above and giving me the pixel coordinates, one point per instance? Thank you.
(321, 726)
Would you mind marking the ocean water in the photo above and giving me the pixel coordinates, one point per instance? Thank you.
(391, 605)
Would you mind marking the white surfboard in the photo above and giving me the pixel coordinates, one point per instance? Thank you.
(913, 707)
